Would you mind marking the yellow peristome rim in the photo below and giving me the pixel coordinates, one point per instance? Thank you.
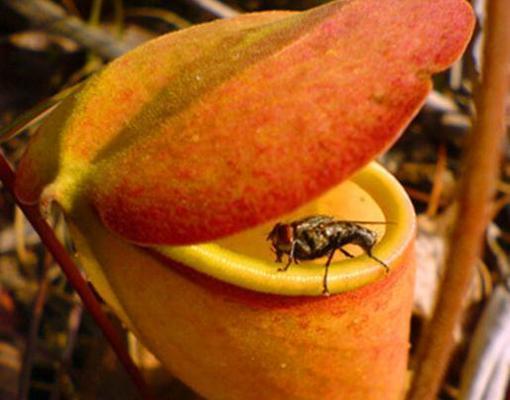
(305, 278)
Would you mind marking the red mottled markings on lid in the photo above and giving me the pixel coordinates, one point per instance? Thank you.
(223, 126)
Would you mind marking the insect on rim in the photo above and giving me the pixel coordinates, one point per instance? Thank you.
(220, 262)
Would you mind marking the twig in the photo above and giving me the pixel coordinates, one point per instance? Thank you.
(476, 191)
(216, 8)
(73, 326)
(53, 18)
(502, 260)
(420, 196)
(25, 257)
(437, 187)
(498, 205)
(118, 17)
(74, 276)
(164, 15)
(95, 12)
(35, 322)
(36, 114)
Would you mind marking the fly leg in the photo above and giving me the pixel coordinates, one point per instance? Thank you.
(279, 255)
(369, 253)
(283, 269)
(325, 290)
(346, 253)
(291, 257)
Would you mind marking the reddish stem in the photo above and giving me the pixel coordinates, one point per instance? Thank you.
(475, 198)
(74, 276)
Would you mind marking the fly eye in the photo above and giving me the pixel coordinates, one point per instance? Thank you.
(275, 232)
(287, 234)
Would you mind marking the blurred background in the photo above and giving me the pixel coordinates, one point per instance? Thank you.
(50, 348)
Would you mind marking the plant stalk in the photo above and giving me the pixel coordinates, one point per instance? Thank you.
(476, 191)
(73, 274)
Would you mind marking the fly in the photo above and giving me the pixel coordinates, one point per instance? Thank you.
(320, 236)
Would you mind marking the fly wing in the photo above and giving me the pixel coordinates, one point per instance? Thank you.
(311, 223)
